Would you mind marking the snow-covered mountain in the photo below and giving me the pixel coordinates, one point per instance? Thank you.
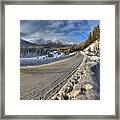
(41, 41)
(26, 43)
(59, 42)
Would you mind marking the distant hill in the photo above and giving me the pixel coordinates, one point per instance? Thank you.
(24, 43)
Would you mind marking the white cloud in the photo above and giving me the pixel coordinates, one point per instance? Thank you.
(68, 27)
(55, 24)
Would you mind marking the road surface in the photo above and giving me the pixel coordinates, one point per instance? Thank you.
(43, 81)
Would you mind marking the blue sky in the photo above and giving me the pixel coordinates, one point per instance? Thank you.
(66, 30)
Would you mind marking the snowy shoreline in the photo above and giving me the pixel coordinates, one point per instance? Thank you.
(40, 60)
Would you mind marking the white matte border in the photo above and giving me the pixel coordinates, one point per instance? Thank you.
(15, 13)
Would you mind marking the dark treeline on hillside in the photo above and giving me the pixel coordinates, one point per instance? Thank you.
(93, 36)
